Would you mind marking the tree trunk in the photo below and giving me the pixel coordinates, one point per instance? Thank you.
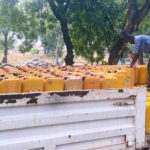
(116, 51)
(5, 47)
(69, 57)
(57, 49)
(97, 62)
(134, 17)
(48, 50)
(45, 51)
(92, 59)
(59, 9)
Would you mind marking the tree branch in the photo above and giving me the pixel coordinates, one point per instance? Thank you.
(140, 15)
(132, 8)
(54, 9)
(60, 2)
(146, 5)
(145, 8)
(67, 5)
(111, 25)
(125, 21)
(134, 17)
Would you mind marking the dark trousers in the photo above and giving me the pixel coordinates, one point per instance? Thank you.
(148, 66)
(140, 60)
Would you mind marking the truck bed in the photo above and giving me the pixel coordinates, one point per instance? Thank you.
(73, 120)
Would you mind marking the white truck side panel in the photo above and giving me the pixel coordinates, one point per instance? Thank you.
(73, 120)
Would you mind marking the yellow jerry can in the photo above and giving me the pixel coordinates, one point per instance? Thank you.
(54, 84)
(32, 84)
(73, 83)
(10, 85)
(147, 123)
(91, 83)
(143, 74)
(109, 82)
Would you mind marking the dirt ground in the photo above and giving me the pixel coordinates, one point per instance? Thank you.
(17, 58)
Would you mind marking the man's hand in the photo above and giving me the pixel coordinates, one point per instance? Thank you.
(130, 66)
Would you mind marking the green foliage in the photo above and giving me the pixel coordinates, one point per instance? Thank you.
(50, 40)
(94, 26)
(29, 27)
(25, 47)
(39, 16)
(40, 22)
(144, 28)
(1, 54)
(35, 51)
(104, 63)
(11, 18)
(11, 41)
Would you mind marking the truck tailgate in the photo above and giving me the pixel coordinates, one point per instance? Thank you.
(73, 120)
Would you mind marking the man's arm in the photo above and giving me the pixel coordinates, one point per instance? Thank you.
(137, 51)
(135, 57)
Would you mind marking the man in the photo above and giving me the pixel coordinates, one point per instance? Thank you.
(142, 44)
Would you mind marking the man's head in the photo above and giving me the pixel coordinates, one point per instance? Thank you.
(129, 38)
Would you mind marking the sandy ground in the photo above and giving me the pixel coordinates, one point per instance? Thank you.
(17, 58)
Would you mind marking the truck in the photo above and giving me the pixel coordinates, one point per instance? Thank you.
(111, 119)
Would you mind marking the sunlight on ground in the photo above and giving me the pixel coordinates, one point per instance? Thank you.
(16, 58)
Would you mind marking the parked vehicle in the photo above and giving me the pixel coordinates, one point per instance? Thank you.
(124, 61)
(73, 120)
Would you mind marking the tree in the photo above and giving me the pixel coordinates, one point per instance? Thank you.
(10, 18)
(137, 10)
(92, 29)
(11, 41)
(44, 24)
(59, 44)
(144, 28)
(60, 9)
(39, 23)
(26, 46)
(53, 42)
(29, 27)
